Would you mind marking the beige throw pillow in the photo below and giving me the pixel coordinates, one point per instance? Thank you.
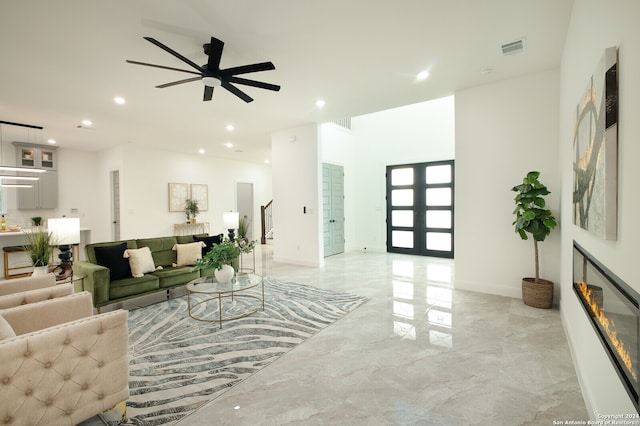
(140, 261)
(6, 332)
(189, 253)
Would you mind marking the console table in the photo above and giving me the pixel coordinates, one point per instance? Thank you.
(191, 228)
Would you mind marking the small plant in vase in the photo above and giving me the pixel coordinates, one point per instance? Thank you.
(39, 249)
(192, 209)
(221, 257)
(532, 217)
(243, 230)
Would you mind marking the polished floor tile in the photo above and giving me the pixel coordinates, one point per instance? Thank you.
(419, 352)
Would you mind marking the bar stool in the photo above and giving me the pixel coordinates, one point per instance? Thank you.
(14, 250)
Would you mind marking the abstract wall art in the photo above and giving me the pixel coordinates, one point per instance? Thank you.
(595, 149)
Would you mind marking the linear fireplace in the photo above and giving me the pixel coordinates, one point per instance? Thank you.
(613, 309)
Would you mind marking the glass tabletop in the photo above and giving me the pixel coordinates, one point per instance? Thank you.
(209, 285)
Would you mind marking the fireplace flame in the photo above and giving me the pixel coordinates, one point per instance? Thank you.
(608, 326)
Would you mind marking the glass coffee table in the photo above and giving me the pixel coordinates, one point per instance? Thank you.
(205, 290)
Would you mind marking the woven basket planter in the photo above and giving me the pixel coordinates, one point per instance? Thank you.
(537, 294)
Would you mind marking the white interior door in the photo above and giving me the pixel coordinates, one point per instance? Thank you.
(115, 205)
(244, 204)
(333, 208)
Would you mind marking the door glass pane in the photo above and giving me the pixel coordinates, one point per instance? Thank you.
(402, 218)
(402, 177)
(439, 219)
(438, 241)
(439, 174)
(402, 197)
(438, 196)
(402, 239)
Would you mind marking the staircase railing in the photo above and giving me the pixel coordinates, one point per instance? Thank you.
(267, 222)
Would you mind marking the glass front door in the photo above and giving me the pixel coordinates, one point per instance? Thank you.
(420, 199)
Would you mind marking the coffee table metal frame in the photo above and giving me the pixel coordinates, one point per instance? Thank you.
(209, 286)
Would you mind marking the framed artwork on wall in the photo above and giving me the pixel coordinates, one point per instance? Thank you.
(200, 193)
(178, 194)
(595, 151)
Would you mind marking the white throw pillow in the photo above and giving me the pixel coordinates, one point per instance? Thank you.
(140, 261)
(189, 253)
(6, 332)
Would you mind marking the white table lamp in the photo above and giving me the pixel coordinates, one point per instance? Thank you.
(231, 221)
(65, 232)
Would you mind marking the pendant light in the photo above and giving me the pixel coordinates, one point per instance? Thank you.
(11, 168)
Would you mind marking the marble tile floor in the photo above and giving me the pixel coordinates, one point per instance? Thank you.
(418, 353)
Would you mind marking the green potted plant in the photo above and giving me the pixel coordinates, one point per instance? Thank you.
(37, 220)
(39, 249)
(243, 230)
(532, 217)
(192, 209)
(221, 258)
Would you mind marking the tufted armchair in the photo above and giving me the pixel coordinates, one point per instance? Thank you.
(64, 365)
(37, 295)
(17, 285)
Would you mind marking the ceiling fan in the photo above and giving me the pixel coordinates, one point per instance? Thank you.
(210, 73)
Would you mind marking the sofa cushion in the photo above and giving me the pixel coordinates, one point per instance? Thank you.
(173, 277)
(160, 249)
(6, 331)
(112, 257)
(188, 254)
(133, 286)
(209, 241)
(140, 260)
(90, 248)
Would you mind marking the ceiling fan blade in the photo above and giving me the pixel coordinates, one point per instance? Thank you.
(239, 93)
(174, 83)
(215, 53)
(173, 52)
(161, 66)
(245, 69)
(254, 83)
(208, 93)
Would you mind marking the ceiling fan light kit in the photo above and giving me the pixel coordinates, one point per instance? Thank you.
(210, 73)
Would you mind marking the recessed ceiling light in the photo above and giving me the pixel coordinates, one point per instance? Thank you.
(201, 151)
(228, 145)
(52, 141)
(422, 75)
(119, 100)
(320, 103)
(267, 162)
(230, 127)
(87, 122)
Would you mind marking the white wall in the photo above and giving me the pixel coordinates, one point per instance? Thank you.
(503, 130)
(411, 134)
(144, 181)
(297, 183)
(596, 25)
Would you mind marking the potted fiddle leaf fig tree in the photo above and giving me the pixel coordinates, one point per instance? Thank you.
(533, 218)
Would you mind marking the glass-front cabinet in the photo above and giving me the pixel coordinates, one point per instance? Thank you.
(43, 193)
(39, 156)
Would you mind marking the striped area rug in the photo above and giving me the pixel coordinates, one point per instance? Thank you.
(178, 364)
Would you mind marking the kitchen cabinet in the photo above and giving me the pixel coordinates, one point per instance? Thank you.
(43, 193)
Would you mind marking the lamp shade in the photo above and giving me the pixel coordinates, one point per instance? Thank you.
(64, 230)
(230, 220)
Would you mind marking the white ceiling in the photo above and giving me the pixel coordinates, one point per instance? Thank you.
(64, 61)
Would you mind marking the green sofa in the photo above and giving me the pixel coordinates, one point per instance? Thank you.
(108, 282)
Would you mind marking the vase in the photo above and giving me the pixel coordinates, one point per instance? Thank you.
(224, 275)
(39, 271)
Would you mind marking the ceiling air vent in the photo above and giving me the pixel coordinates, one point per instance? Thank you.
(514, 47)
